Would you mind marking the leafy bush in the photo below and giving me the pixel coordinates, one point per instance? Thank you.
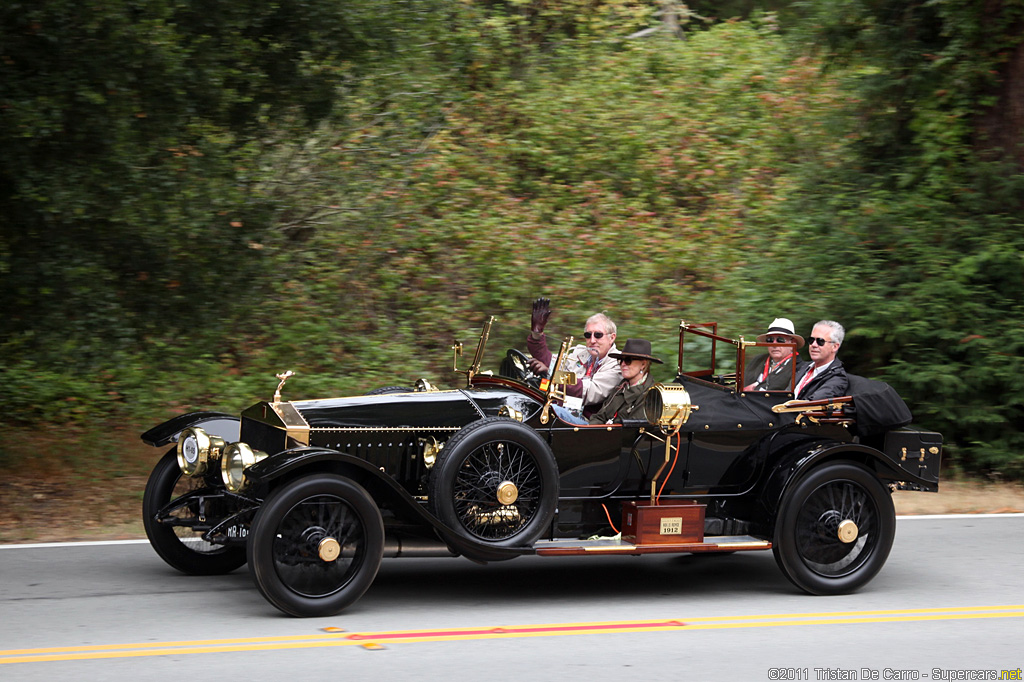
(484, 153)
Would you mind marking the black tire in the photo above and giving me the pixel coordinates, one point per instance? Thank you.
(464, 484)
(807, 545)
(384, 390)
(180, 546)
(285, 560)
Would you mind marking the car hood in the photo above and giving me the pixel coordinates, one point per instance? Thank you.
(426, 409)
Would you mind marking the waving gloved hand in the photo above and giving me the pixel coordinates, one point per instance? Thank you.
(540, 315)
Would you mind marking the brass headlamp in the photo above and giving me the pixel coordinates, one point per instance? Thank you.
(237, 458)
(196, 449)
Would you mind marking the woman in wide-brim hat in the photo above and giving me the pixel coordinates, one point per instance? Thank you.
(627, 401)
(773, 371)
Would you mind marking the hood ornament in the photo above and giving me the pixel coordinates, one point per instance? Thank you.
(283, 377)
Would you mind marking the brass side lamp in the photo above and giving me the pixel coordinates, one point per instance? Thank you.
(668, 407)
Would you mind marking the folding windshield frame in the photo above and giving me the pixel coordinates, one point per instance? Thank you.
(709, 330)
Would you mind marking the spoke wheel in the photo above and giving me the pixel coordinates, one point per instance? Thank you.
(316, 545)
(179, 545)
(495, 482)
(835, 529)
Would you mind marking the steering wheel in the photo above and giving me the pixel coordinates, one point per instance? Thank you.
(518, 364)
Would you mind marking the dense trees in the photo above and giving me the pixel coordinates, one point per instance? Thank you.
(194, 196)
(132, 136)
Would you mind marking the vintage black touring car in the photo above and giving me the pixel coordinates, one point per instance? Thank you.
(313, 493)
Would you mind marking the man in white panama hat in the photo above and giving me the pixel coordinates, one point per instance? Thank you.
(772, 371)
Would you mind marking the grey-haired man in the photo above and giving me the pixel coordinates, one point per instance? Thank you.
(825, 376)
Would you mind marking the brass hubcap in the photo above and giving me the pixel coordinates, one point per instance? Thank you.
(329, 549)
(507, 492)
(847, 531)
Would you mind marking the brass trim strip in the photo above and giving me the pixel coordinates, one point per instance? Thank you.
(388, 429)
(759, 543)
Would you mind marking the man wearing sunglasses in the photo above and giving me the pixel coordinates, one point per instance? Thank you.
(772, 371)
(627, 400)
(825, 377)
(597, 373)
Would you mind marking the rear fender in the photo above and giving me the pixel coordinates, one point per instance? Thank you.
(214, 423)
(791, 465)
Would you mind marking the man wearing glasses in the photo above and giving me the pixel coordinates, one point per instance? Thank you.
(773, 371)
(627, 400)
(597, 373)
(825, 378)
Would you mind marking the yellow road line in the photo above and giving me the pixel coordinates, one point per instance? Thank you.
(373, 640)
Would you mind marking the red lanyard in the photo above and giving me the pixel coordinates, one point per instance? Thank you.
(767, 361)
(806, 380)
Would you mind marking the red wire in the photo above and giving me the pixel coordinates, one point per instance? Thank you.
(608, 514)
(658, 498)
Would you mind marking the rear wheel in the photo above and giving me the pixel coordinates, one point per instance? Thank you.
(495, 482)
(177, 544)
(316, 545)
(835, 529)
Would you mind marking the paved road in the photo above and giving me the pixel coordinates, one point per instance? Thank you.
(951, 598)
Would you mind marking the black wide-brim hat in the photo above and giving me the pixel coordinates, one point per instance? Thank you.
(637, 348)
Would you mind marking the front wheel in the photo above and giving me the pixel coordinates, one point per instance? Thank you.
(835, 529)
(316, 545)
(171, 532)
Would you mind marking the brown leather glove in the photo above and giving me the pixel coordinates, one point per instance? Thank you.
(541, 313)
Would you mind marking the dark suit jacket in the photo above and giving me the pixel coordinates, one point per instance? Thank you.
(778, 378)
(829, 384)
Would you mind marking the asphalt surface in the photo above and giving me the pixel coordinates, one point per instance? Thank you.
(949, 604)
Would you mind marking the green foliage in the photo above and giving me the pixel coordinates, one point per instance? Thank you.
(916, 230)
(131, 136)
(194, 200)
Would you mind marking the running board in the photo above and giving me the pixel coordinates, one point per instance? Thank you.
(715, 543)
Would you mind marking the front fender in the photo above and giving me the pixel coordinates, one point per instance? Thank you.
(214, 423)
(385, 490)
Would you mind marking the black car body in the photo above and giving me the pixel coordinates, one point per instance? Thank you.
(313, 493)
